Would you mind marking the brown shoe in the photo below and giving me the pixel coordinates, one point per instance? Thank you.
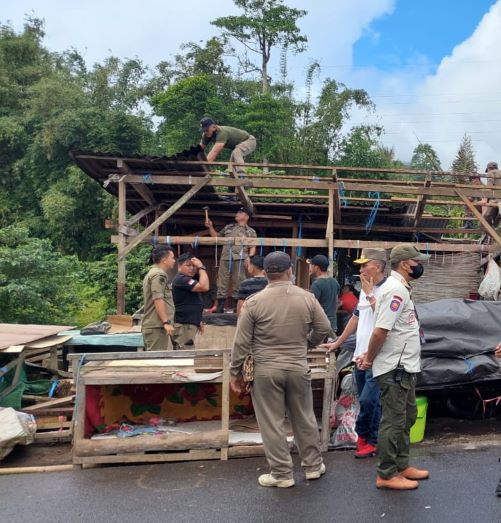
(414, 473)
(396, 483)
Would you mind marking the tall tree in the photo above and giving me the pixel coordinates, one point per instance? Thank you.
(425, 158)
(264, 25)
(464, 162)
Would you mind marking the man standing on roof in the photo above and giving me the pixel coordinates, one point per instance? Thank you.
(325, 288)
(394, 355)
(491, 213)
(232, 261)
(372, 275)
(241, 143)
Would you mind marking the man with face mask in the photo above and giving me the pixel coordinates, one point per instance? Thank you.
(393, 354)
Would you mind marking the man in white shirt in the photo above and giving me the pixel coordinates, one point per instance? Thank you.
(372, 276)
(394, 353)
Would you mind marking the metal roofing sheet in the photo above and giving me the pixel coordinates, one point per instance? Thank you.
(17, 334)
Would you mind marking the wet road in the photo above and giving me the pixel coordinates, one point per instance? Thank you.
(461, 489)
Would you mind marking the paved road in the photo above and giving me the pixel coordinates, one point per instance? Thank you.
(461, 489)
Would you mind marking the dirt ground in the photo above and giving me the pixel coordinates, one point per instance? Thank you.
(465, 434)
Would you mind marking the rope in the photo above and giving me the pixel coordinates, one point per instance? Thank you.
(284, 244)
(261, 246)
(147, 178)
(241, 258)
(342, 196)
(168, 241)
(154, 240)
(299, 249)
(195, 243)
(374, 211)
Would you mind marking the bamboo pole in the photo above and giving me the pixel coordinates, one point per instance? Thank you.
(31, 470)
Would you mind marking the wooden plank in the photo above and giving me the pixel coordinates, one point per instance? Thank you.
(195, 454)
(141, 214)
(340, 243)
(57, 402)
(142, 189)
(485, 224)
(242, 193)
(421, 203)
(146, 443)
(329, 232)
(57, 436)
(122, 252)
(225, 404)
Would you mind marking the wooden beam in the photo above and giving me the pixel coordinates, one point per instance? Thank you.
(485, 224)
(329, 232)
(141, 214)
(122, 253)
(307, 242)
(337, 201)
(421, 203)
(122, 243)
(142, 190)
(242, 193)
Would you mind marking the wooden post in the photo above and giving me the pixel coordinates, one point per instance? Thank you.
(329, 232)
(294, 235)
(225, 404)
(122, 243)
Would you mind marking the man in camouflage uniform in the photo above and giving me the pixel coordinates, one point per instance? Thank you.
(158, 320)
(231, 263)
(491, 214)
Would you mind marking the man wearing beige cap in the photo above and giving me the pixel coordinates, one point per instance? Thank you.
(372, 276)
(394, 355)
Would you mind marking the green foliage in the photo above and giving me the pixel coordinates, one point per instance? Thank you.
(464, 162)
(425, 158)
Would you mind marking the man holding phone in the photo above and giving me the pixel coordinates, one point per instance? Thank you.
(394, 354)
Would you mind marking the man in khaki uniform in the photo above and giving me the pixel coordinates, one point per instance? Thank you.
(491, 214)
(276, 326)
(240, 142)
(158, 320)
(394, 354)
(232, 261)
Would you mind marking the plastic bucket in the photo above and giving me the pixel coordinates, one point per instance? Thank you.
(417, 430)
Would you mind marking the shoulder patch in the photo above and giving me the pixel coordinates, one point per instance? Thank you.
(162, 279)
(395, 303)
(191, 282)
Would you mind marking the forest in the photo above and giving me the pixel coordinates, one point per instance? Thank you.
(57, 264)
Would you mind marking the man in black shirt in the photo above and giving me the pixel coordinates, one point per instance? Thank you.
(257, 281)
(188, 303)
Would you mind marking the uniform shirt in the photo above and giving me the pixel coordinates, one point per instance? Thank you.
(250, 286)
(189, 304)
(326, 291)
(365, 316)
(396, 313)
(233, 230)
(230, 136)
(496, 180)
(156, 285)
(275, 327)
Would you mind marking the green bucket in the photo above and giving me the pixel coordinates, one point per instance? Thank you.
(417, 430)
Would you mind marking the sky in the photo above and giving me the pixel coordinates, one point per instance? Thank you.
(432, 67)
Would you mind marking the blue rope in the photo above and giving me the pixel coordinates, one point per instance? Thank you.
(154, 240)
(241, 258)
(299, 250)
(373, 214)
(284, 244)
(53, 388)
(195, 243)
(147, 178)
(168, 240)
(469, 365)
(342, 196)
(275, 245)
(261, 246)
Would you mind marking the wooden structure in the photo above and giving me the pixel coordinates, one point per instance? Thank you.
(325, 208)
(164, 367)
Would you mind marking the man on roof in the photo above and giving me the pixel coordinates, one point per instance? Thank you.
(241, 143)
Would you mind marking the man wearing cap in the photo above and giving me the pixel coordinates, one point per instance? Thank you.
(372, 276)
(325, 289)
(393, 353)
(232, 261)
(241, 143)
(277, 326)
(491, 212)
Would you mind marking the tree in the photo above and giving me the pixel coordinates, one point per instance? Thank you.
(361, 148)
(464, 162)
(425, 158)
(264, 25)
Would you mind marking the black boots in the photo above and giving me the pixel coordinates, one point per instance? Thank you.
(220, 305)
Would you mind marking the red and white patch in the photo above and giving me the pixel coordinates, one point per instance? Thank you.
(395, 303)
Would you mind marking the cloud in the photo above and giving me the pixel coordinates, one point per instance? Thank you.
(461, 96)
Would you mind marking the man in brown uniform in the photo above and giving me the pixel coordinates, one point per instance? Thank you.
(491, 214)
(231, 263)
(276, 326)
(158, 320)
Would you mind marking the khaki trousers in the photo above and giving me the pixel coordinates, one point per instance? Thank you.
(155, 338)
(224, 275)
(241, 151)
(275, 392)
(183, 334)
(399, 412)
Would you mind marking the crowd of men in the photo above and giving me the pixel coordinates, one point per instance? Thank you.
(277, 323)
